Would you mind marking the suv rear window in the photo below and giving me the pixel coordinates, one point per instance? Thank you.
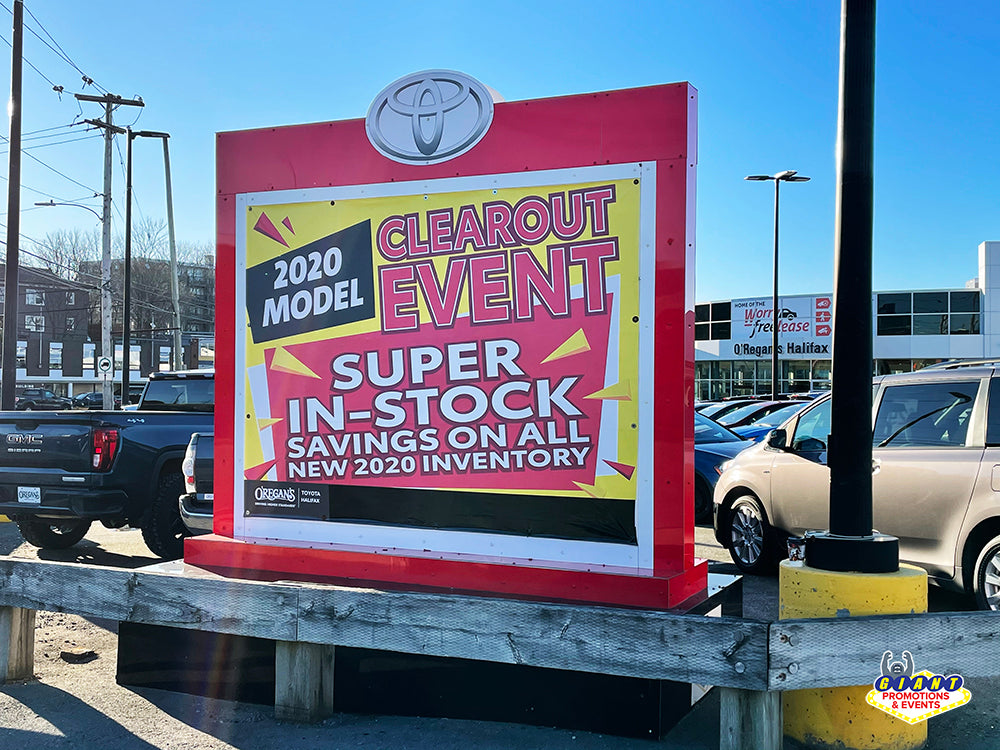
(182, 394)
(925, 414)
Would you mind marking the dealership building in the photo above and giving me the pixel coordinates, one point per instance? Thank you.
(912, 329)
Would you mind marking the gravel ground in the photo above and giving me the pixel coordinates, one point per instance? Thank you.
(79, 705)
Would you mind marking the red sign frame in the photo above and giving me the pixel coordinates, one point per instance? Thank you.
(653, 124)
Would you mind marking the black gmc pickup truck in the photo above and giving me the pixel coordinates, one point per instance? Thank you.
(61, 471)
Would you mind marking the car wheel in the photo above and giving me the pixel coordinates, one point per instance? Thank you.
(751, 538)
(29, 407)
(986, 581)
(52, 534)
(163, 531)
(702, 501)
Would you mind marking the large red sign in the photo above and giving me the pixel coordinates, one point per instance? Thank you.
(472, 371)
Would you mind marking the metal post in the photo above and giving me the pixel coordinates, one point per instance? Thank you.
(107, 345)
(851, 544)
(175, 294)
(775, 372)
(8, 360)
(127, 297)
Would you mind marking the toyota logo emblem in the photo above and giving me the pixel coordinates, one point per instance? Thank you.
(429, 117)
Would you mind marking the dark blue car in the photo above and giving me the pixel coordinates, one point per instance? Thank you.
(713, 445)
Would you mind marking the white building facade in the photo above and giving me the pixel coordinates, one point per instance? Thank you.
(912, 329)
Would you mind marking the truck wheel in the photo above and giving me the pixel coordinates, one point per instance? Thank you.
(52, 533)
(163, 531)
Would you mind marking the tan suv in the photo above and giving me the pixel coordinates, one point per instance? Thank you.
(935, 479)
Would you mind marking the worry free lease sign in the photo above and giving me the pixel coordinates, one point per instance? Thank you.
(458, 354)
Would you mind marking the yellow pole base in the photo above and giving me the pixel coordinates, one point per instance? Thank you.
(841, 717)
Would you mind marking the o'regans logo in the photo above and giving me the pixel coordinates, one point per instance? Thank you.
(429, 117)
(282, 494)
(915, 697)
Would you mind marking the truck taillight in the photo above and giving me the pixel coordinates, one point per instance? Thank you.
(105, 447)
(187, 466)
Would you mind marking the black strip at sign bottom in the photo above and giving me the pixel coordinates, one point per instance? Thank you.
(574, 518)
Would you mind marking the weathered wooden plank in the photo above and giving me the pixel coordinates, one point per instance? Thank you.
(750, 720)
(303, 681)
(221, 605)
(848, 651)
(637, 643)
(17, 643)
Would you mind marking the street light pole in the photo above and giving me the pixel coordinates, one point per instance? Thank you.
(131, 135)
(789, 175)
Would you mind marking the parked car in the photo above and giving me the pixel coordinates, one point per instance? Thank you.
(61, 472)
(92, 400)
(38, 399)
(713, 446)
(750, 413)
(721, 408)
(936, 443)
(758, 429)
(198, 466)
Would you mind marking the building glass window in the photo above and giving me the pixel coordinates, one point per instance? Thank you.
(712, 321)
(71, 323)
(34, 297)
(930, 302)
(930, 325)
(721, 331)
(70, 298)
(893, 325)
(34, 323)
(88, 356)
(55, 356)
(722, 311)
(893, 304)
(965, 302)
(22, 354)
(964, 323)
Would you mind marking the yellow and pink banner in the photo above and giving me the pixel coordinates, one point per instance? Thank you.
(480, 340)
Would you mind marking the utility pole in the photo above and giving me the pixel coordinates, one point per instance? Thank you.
(107, 345)
(8, 360)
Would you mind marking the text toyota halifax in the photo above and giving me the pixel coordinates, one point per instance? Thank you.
(61, 471)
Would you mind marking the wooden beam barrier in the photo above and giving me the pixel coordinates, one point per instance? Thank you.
(308, 620)
(811, 653)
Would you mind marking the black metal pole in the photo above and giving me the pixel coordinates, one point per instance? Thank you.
(127, 297)
(775, 371)
(851, 543)
(8, 358)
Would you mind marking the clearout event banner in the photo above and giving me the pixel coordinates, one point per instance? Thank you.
(459, 354)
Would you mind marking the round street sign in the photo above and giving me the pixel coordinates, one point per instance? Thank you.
(104, 364)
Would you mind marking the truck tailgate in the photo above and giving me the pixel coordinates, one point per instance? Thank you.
(51, 440)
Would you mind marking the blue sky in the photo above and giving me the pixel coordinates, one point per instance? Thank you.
(767, 75)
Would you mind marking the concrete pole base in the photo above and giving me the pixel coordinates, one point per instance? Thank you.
(841, 717)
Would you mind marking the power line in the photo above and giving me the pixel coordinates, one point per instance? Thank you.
(53, 169)
(58, 50)
(24, 149)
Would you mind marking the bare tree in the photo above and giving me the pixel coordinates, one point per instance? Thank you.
(62, 250)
